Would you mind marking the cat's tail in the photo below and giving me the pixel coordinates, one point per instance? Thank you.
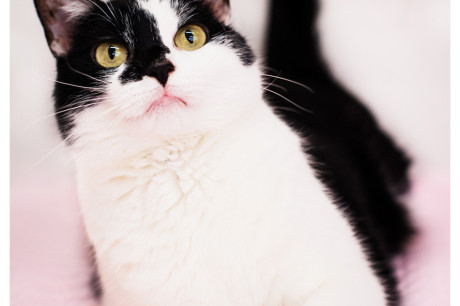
(359, 163)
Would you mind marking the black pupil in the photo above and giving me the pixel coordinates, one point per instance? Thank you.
(190, 37)
(112, 52)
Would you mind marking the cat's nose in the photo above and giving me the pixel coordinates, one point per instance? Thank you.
(160, 71)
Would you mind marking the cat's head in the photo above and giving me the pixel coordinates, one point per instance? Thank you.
(166, 68)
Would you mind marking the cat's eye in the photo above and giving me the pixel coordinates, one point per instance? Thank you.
(110, 55)
(190, 38)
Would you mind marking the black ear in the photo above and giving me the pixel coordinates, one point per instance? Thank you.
(221, 9)
(59, 18)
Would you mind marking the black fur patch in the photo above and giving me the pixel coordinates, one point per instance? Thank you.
(239, 44)
(126, 23)
(218, 31)
(361, 166)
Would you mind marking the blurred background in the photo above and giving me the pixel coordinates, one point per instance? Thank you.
(392, 54)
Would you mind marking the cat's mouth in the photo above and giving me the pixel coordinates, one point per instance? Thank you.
(164, 102)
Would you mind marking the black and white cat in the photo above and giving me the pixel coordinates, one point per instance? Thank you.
(193, 192)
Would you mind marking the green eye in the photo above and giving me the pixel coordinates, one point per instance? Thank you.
(190, 38)
(110, 55)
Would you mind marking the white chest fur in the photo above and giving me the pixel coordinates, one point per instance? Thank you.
(232, 218)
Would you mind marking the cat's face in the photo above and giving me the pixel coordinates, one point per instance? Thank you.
(167, 68)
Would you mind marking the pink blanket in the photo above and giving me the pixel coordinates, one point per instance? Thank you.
(49, 251)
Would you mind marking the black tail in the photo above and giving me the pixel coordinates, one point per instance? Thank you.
(359, 163)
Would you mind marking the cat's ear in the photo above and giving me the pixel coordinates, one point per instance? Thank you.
(59, 18)
(221, 9)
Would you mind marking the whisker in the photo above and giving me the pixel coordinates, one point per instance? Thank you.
(59, 146)
(87, 75)
(290, 81)
(109, 5)
(282, 108)
(56, 113)
(68, 84)
(272, 84)
(288, 100)
(96, 101)
(269, 68)
(280, 87)
(95, 4)
(273, 81)
(78, 86)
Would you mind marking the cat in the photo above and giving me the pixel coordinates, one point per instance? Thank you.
(193, 191)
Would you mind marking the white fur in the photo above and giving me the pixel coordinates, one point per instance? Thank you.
(213, 202)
